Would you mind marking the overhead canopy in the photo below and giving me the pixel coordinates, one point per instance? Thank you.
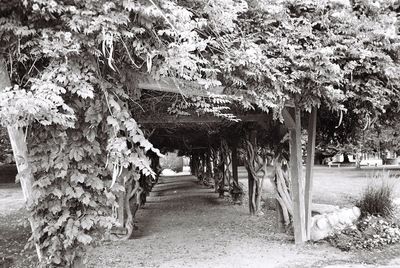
(188, 132)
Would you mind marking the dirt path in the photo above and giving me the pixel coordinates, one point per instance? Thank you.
(14, 229)
(187, 225)
(11, 198)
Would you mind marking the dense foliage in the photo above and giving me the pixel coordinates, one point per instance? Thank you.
(5, 146)
(70, 64)
(369, 233)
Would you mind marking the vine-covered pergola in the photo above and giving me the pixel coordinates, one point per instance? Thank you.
(87, 86)
(204, 137)
(197, 136)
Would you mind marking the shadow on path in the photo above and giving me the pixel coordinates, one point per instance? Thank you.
(185, 224)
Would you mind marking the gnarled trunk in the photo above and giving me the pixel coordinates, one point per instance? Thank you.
(256, 166)
(128, 204)
(280, 179)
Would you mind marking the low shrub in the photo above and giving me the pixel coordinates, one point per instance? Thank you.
(377, 198)
(369, 233)
(376, 227)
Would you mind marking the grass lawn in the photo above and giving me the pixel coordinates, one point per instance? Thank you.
(339, 186)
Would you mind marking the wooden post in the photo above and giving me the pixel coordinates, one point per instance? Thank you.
(235, 164)
(208, 167)
(312, 123)
(251, 184)
(20, 151)
(296, 174)
(121, 208)
(203, 167)
(280, 222)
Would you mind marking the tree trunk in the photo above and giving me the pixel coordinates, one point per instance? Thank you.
(237, 191)
(281, 181)
(346, 158)
(252, 202)
(209, 171)
(256, 166)
(222, 175)
(358, 161)
(20, 151)
(128, 202)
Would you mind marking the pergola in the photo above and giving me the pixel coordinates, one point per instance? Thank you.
(301, 187)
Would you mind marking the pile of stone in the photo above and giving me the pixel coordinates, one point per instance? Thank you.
(331, 219)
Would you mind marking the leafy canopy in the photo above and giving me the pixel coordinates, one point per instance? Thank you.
(69, 63)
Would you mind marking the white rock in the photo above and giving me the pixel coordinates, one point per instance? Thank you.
(318, 234)
(351, 215)
(346, 216)
(326, 224)
(356, 212)
(315, 218)
(323, 224)
(333, 219)
(323, 208)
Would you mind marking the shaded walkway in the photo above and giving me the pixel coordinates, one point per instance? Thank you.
(185, 224)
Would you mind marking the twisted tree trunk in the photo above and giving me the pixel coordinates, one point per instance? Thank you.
(256, 166)
(202, 176)
(195, 164)
(280, 180)
(230, 182)
(237, 191)
(128, 203)
(209, 170)
(225, 162)
(218, 172)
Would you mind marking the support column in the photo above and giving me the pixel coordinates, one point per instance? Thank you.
(293, 122)
(312, 126)
(236, 191)
(235, 164)
(251, 182)
(209, 172)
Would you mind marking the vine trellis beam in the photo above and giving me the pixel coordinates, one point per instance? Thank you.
(180, 86)
(171, 119)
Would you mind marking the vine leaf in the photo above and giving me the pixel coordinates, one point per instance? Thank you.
(84, 239)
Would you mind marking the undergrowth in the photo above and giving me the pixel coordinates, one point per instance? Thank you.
(377, 225)
(377, 197)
